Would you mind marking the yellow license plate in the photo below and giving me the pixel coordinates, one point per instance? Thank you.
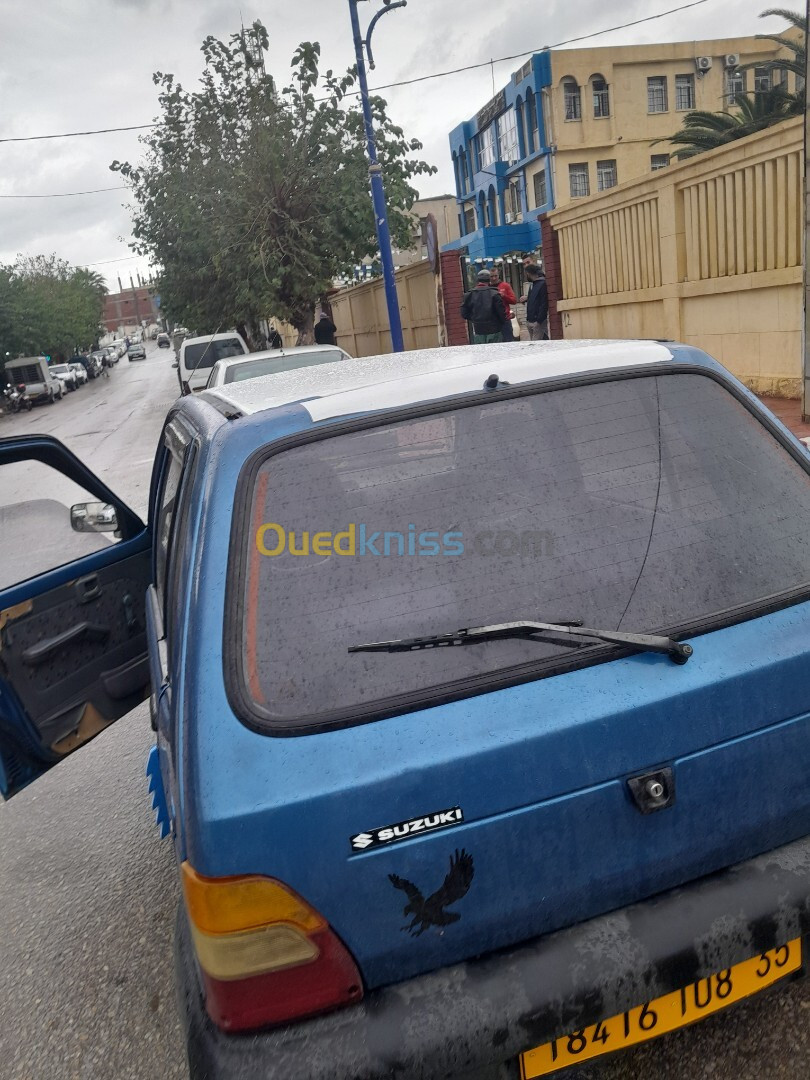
(665, 1013)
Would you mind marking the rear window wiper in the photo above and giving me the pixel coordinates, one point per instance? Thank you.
(568, 633)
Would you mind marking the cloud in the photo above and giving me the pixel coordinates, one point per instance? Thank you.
(88, 63)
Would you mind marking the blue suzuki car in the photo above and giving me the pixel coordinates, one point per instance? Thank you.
(481, 687)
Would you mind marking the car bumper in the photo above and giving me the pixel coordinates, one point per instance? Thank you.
(480, 1015)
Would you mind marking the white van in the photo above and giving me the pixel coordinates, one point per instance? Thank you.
(199, 354)
(40, 382)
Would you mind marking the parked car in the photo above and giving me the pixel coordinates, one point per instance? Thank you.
(41, 385)
(199, 354)
(486, 741)
(120, 347)
(112, 353)
(136, 352)
(164, 341)
(135, 339)
(271, 361)
(80, 371)
(66, 375)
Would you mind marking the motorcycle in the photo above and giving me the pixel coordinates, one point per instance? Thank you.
(17, 398)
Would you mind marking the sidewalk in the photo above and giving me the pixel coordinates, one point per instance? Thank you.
(789, 412)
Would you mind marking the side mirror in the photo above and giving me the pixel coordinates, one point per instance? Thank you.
(93, 517)
(175, 364)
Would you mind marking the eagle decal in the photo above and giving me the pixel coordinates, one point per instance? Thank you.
(426, 913)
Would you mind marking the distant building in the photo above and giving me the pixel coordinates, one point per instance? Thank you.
(443, 208)
(131, 308)
(500, 162)
(609, 107)
(573, 122)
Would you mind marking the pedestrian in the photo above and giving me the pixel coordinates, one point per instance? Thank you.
(106, 364)
(508, 297)
(537, 304)
(325, 330)
(274, 338)
(483, 307)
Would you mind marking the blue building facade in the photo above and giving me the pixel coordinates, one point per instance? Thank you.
(502, 171)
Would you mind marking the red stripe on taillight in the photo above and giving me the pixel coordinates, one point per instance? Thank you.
(278, 997)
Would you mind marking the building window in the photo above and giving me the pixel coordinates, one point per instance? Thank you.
(513, 197)
(762, 80)
(469, 219)
(659, 161)
(605, 175)
(657, 94)
(578, 179)
(572, 99)
(533, 142)
(684, 93)
(508, 137)
(735, 84)
(601, 98)
(779, 78)
(486, 148)
(540, 188)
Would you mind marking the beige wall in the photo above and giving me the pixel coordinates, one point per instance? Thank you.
(628, 134)
(360, 314)
(707, 252)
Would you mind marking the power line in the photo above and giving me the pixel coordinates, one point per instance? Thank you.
(402, 82)
(75, 134)
(66, 194)
(106, 262)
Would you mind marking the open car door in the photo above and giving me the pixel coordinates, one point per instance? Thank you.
(73, 581)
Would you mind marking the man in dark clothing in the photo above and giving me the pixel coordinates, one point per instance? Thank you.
(325, 331)
(537, 304)
(508, 297)
(483, 307)
(274, 338)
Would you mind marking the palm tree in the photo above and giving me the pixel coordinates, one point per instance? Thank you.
(708, 130)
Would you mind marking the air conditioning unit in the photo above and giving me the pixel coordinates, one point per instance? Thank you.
(732, 60)
(509, 218)
(703, 63)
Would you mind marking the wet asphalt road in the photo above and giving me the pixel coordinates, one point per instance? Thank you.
(88, 891)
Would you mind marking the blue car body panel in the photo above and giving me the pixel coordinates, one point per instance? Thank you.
(539, 769)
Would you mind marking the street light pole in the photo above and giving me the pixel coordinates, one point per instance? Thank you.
(375, 170)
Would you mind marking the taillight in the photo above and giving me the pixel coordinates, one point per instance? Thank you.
(265, 955)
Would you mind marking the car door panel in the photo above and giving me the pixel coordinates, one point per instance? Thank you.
(73, 646)
(64, 652)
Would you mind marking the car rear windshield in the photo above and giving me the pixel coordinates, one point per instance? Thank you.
(637, 504)
(251, 369)
(206, 353)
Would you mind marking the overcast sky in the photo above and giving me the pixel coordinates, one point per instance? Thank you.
(70, 65)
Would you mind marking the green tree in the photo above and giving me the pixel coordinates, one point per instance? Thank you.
(48, 306)
(707, 130)
(253, 199)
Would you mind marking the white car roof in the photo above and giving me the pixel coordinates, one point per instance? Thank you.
(380, 382)
(211, 337)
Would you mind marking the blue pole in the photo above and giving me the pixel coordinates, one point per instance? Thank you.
(377, 192)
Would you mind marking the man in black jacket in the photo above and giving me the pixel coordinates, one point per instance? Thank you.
(325, 331)
(483, 307)
(537, 304)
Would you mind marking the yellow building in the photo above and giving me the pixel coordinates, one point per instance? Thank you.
(606, 107)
